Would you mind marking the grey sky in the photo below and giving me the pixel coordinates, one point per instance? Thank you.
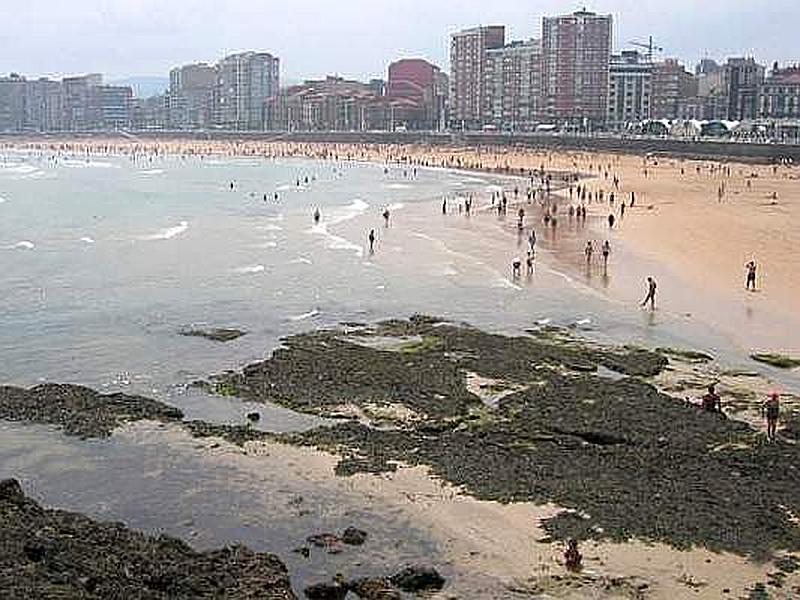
(355, 38)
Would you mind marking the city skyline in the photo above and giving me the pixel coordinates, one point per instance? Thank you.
(144, 38)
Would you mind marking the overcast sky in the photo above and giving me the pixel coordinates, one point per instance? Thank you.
(354, 38)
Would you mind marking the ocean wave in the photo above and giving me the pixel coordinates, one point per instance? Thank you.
(23, 245)
(301, 260)
(87, 164)
(152, 172)
(18, 168)
(170, 232)
(3, 200)
(309, 315)
(396, 206)
(87, 240)
(398, 186)
(266, 245)
(250, 269)
(335, 242)
(270, 227)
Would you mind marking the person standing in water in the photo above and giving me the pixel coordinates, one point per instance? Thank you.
(751, 276)
(316, 216)
(651, 293)
(371, 239)
(771, 410)
(386, 216)
(588, 252)
(606, 253)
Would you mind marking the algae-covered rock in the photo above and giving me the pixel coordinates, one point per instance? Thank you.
(779, 361)
(80, 411)
(53, 554)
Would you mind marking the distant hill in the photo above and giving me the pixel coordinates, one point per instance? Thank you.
(144, 87)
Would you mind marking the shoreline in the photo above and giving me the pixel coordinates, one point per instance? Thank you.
(651, 239)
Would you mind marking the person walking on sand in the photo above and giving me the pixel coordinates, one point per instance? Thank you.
(386, 216)
(750, 284)
(516, 268)
(588, 252)
(606, 253)
(611, 220)
(371, 239)
(316, 216)
(530, 263)
(711, 401)
(651, 293)
(771, 410)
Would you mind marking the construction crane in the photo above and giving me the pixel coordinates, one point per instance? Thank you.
(649, 46)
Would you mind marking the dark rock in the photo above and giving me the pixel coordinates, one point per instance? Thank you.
(326, 591)
(10, 489)
(215, 335)
(303, 551)
(81, 411)
(329, 541)
(374, 589)
(253, 417)
(354, 537)
(76, 557)
(418, 578)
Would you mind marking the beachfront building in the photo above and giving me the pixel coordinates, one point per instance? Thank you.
(330, 104)
(742, 80)
(191, 96)
(629, 90)
(78, 99)
(245, 82)
(111, 106)
(423, 87)
(469, 101)
(12, 102)
(513, 85)
(43, 105)
(151, 113)
(779, 96)
(672, 89)
(576, 51)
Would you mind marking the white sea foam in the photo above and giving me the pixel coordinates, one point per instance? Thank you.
(152, 172)
(398, 186)
(170, 232)
(87, 164)
(396, 206)
(270, 227)
(23, 245)
(502, 282)
(301, 260)
(267, 245)
(583, 322)
(251, 269)
(340, 215)
(3, 200)
(309, 315)
(18, 168)
(544, 321)
(87, 240)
